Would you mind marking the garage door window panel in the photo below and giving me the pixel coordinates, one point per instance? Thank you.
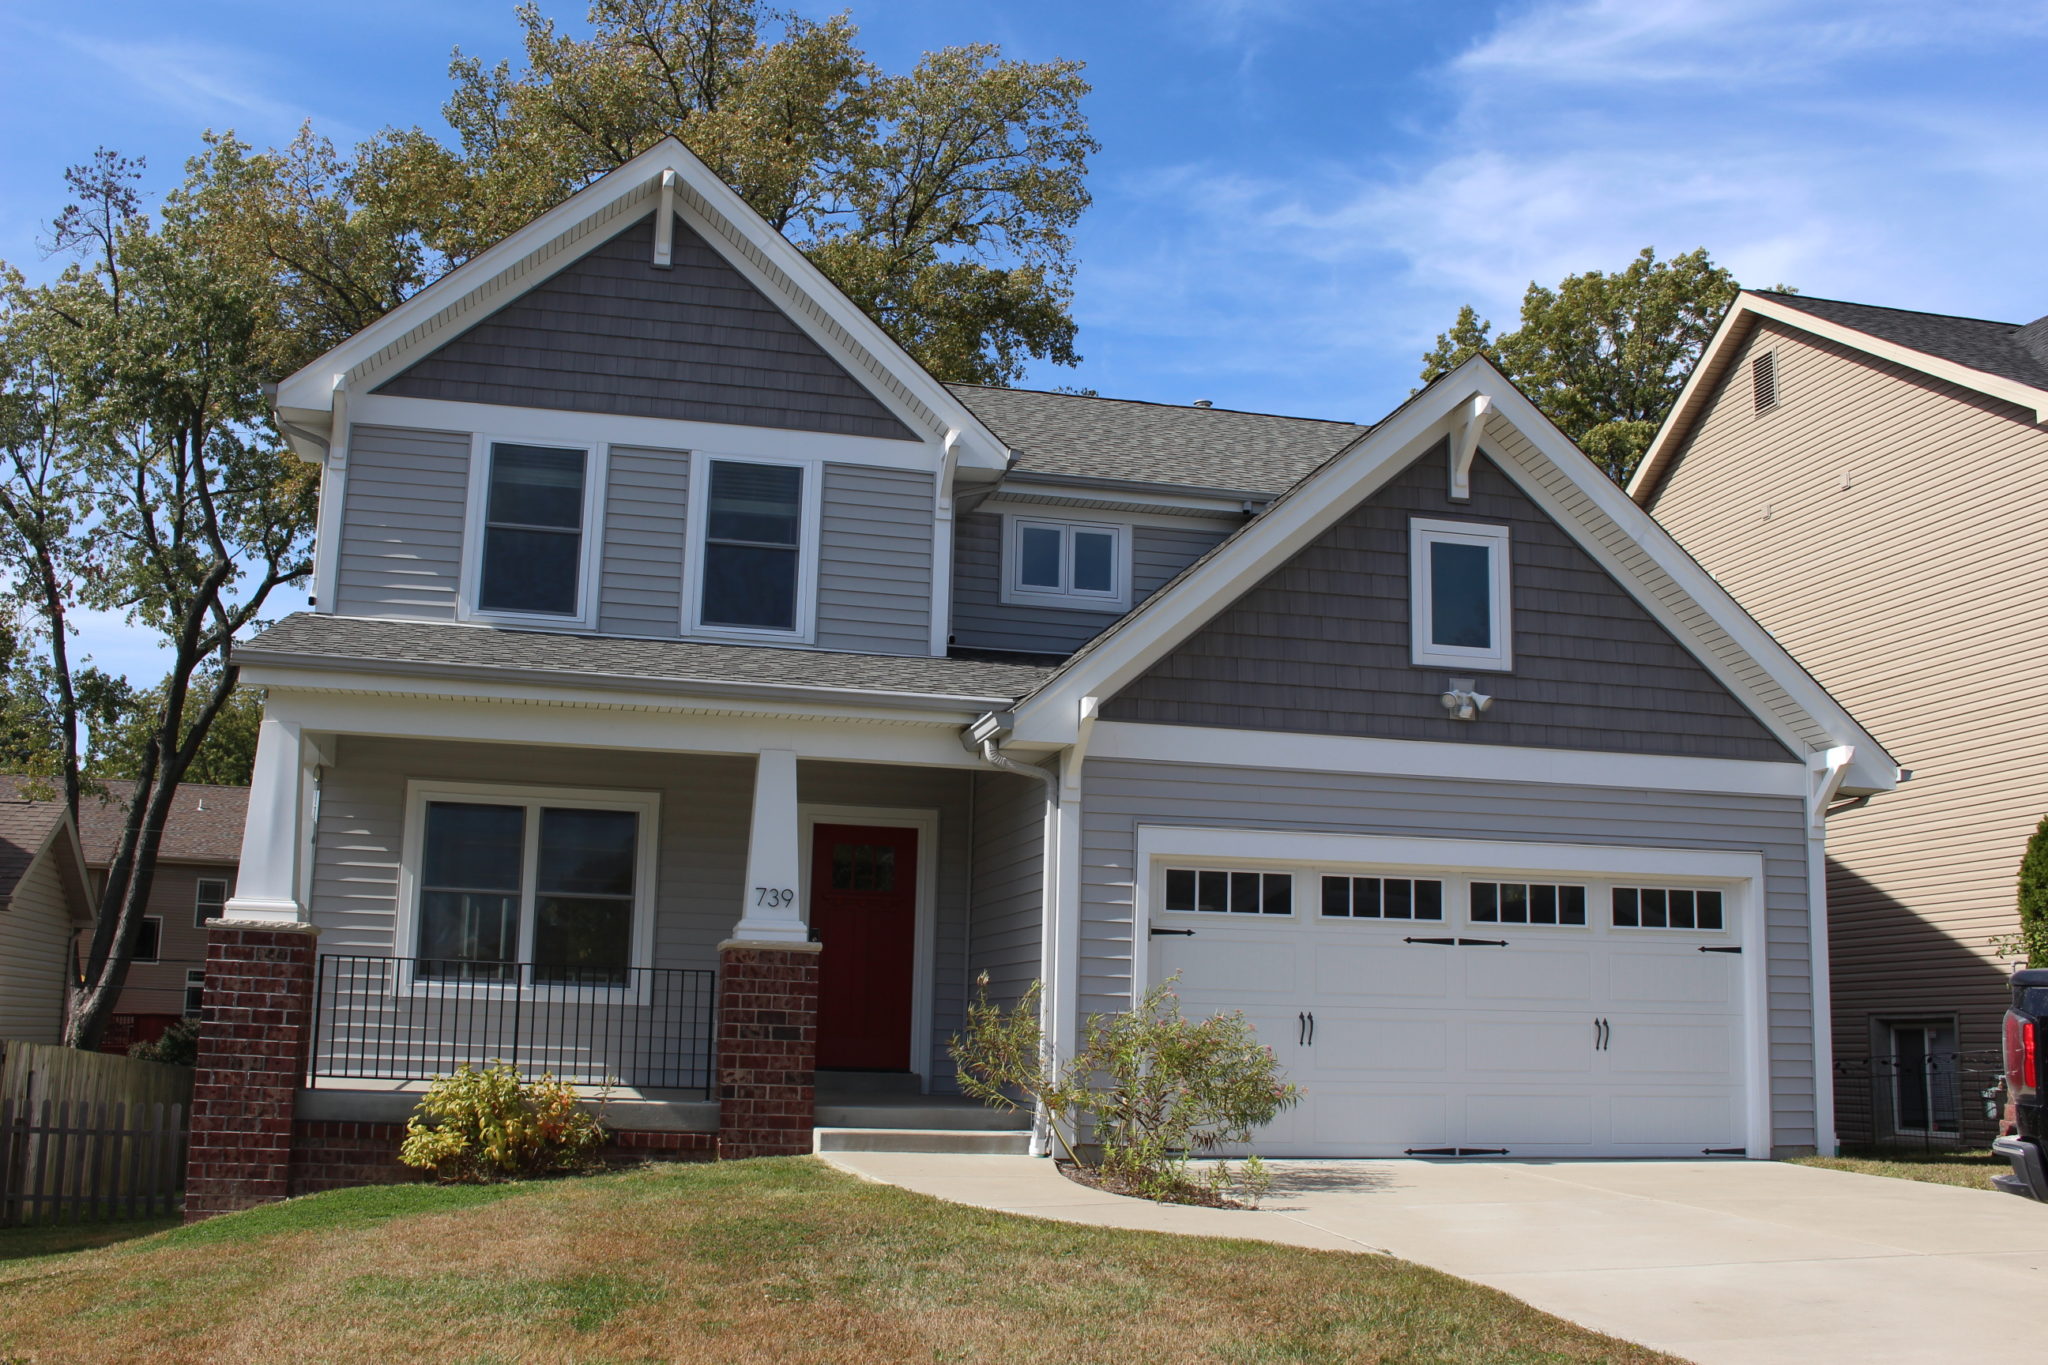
(1216, 891)
(1559, 904)
(1383, 898)
(1668, 907)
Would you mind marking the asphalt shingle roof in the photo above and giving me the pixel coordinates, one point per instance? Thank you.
(431, 647)
(1118, 438)
(205, 823)
(2009, 350)
(24, 825)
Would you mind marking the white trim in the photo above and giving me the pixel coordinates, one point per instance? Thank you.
(811, 514)
(1708, 374)
(1740, 875)
(1275, 750)
(1467, 446)
(1080, 504)
(550, 426)
(1824, 783)
(331, 510)
(924, 939)
(1066, 597)
(1424, 532)
(590, 560)
(646, 805)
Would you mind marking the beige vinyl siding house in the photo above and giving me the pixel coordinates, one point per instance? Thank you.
(1883, 517)
(42, 903)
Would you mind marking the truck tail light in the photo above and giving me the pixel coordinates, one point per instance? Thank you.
(2022, 1069)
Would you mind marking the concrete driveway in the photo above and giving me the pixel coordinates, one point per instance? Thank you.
(1724, 1263)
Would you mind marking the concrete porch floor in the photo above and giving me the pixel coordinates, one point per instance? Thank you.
(1724, 1263)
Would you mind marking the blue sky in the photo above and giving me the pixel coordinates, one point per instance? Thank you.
(1293, 196)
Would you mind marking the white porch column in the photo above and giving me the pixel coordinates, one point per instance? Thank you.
(769, 912)
(267, 884)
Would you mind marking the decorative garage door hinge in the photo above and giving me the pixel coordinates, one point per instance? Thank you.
(1157, 932)
(1455, 1151)
(1706, 949)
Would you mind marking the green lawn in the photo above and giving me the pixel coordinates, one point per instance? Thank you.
(1936, 1166)
(740, 1262)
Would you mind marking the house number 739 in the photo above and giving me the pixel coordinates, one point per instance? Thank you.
(777, 896)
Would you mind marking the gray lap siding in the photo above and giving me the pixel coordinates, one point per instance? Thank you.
(1120, 795)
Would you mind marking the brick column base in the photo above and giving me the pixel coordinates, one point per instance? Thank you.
(767, 1048)
(254, 1030)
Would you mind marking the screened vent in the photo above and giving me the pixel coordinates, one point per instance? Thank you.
(1763, 375)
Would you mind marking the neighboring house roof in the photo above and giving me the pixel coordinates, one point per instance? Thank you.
(28, 830)
(205, 824)
(2006, 360)
(1559, 478)
(306, 640)
(1118, 438)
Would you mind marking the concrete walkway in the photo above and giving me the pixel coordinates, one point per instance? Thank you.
(1724, 1263)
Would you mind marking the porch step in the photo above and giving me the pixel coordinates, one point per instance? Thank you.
(950, 1141)
(869, 1083)
(913, 1112)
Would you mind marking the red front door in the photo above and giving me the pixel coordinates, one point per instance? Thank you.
(864, 910)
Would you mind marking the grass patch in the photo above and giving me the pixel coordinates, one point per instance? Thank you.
(21, 1244)
(742, 1263)
(1935, 1166)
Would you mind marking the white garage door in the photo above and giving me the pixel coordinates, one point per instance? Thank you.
(1438, 1011)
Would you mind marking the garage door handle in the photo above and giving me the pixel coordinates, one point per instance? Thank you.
(1300, 1029)
(1157, 932)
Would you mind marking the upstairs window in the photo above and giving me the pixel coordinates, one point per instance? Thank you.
(1459, 594)
(535, 503)
(209, 900)
(1077, 564)
(752, 572)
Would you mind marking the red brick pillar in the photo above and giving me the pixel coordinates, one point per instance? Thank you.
(767, 1047)
(254, 1030)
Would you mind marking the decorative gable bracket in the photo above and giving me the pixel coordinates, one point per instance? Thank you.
(1477, 409)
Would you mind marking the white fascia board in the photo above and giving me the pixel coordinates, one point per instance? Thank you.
(1422, 851)
(755, 249)
(657, 433)
(1037, 503)
(1269, 750)
(1735, 328)
(615, 725)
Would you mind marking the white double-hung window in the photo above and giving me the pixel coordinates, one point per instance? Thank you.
(1057, 563)
(1459, 594)
(532, 542)
(755, 531)
(538, 886)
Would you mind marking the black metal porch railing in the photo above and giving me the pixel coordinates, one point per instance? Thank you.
(412, 1019)
(1940, 1099)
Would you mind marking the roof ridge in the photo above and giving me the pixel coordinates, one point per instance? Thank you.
(1888, 308)
(1155, 403)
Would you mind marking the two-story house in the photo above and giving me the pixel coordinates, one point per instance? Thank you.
(700, 695)
(1869, 481)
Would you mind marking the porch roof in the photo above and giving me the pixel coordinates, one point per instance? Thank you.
(311, 641)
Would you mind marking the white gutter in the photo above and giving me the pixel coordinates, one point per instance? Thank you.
(1049, 874)
(942, 547)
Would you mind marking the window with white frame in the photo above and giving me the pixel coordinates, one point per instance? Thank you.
(195, 991)
(532, 552)
(209, 900)
(752, 557)
(1459, 594)
(500, 878)
(1077, 564)
(1216, 891)
(149, 943)
(1923, 1059)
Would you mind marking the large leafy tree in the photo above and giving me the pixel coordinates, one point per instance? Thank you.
(1603, 355)
(941, 200)
(139, 475)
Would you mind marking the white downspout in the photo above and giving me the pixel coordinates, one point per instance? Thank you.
(1824, 780)
(1049, 881)
(333, 496)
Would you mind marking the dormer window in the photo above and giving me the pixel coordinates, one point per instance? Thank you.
(532, 509)
(1083, 565)
(1459, 594)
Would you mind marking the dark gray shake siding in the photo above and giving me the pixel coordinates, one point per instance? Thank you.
(1121, 794)
(706, 807)
(408, 491)
(646, 492)
(401, 523)
(1322, 646)
(982, 620)
(875, 560)
(1006, 936)
(611, 333)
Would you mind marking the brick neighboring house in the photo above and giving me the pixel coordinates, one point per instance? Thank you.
(195, 875)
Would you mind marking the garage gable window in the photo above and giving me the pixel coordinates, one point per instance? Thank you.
(1528, 903)
(1459, 594)
(1660, 907)
(1210, 891)
(1382, 898)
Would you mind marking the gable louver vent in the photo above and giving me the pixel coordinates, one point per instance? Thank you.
(1763, 375)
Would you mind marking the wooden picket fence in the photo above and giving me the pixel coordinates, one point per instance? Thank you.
(88, 1137)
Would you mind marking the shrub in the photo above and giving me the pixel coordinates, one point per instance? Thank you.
(179, 1045)
(2030, 944)
(1154, 1087)
(486, 1123)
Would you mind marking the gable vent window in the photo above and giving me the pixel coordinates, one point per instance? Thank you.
(1078, 564)
(1459, 594)
(533, 531)
(1216, 892)
(1763, 378)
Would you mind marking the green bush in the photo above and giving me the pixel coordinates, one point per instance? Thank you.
(486, 1123)
(179, 1045)
(1153, 1087)
(2030, 944)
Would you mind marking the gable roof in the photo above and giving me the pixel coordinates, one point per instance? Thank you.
(665, 174)
(1618, 534)
(29, 830)
(2006, 360)
(1081, 436)
(205, 823)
